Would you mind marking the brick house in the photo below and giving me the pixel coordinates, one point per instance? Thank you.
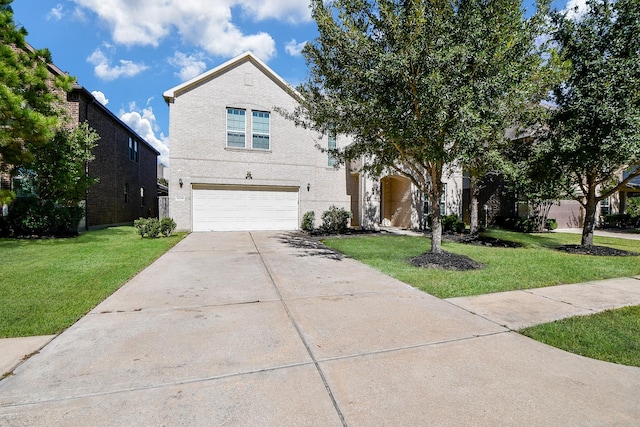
(236, 164)
(125, 164)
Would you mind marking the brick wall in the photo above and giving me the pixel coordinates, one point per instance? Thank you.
(106, 203)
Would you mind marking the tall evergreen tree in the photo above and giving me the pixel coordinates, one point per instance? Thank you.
(30, 108)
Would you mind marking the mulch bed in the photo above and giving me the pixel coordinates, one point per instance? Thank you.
(446, 260)
(480, 240)
(595, 250)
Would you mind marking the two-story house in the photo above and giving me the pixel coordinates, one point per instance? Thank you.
(237, 164)
(125, 164)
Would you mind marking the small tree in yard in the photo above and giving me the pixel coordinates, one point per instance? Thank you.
(594, 134)
(59, 168)
(420, 85)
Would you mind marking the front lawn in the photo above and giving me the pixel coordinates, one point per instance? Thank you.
(536, 264)
(612, 336)
(46, 285)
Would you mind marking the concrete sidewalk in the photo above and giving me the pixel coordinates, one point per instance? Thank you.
(265, 329)
(520, 309)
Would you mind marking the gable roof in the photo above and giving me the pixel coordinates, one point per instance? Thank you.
(171, 94)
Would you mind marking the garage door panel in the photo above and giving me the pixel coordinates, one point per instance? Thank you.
(246, 210)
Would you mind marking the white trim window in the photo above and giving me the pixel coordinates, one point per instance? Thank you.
(332, 144)
(443, 200)
(260, 130)
(605, 206)
(236, 130)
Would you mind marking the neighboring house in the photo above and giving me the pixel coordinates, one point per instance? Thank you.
(125, 164)
(237, 164)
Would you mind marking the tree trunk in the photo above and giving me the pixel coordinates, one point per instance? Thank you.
(474, 192)
(436, 224)
(589, 217)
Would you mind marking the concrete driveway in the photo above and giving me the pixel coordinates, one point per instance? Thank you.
(264, 329)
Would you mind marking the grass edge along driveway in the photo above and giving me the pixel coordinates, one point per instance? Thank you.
(46, 285)
(536, 264)
(611, 336)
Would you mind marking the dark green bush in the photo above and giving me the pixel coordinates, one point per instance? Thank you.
(167, 226)
(308, 221)
(551, 224)
(633, 207)
(31, 216)
(452, 223)
(154, 228)
(617, 221)
(524, 225)
(335, 220)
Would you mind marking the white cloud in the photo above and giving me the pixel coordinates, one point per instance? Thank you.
(285, 10)
(100, 97)
(144, 123)
(105, 71)
(189, 65)
(208, 25)
(56, 13)
(576, 9)
(294, 48)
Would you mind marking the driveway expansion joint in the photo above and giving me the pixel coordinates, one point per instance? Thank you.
(299, 331)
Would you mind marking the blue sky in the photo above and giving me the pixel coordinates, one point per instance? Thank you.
(128, 52)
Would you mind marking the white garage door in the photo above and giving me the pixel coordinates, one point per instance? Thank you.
(245, 208)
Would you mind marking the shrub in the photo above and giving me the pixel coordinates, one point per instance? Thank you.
(452, 223)
(616, 221)
(308, 221)
(154, 228)
(335, 220)
(31, 216)
(633, 207)
(526, 225)
(167, 226)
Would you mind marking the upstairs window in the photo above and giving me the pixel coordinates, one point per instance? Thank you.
(332, 145)
(260, 130)
(133, 150)
(236, 128)
(443, 200)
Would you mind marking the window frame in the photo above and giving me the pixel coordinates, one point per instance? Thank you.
(236, 131)
(256, 133)
(132, 151)
(332, 161)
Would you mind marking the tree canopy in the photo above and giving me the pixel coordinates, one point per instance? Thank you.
(29, 105)
(422, 86)
(594, 133)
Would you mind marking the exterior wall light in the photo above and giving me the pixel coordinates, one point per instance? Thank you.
(180, 182)
(308, 186)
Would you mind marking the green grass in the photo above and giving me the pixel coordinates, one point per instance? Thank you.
(612, 336)
(536, 264)
(46, 285)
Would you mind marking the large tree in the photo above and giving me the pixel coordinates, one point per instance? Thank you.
(420, 85)
(30, 110)
(594, 134)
